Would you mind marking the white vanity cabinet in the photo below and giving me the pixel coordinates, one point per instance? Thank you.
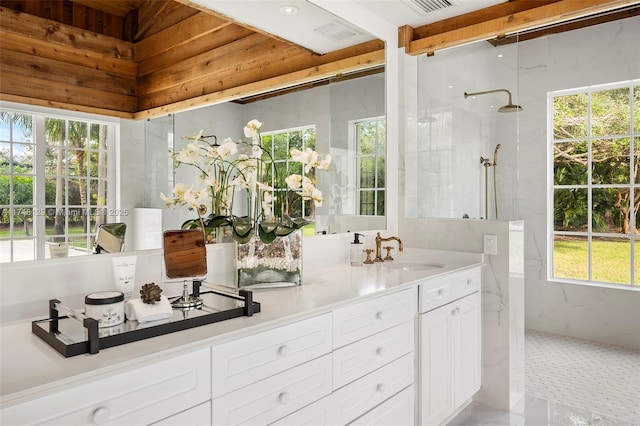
(373, 356)
(353, 363)
(138, 397)
(372, 365)
(261, 378)
(450, 344)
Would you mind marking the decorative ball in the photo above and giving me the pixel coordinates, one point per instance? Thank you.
(150, 293)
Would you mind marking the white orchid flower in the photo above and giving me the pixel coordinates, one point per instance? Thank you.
(196, 199)
(293, 181)
(326, 163)
(310, 159)
(256, 151)
(264, 186)
(227, 149)
(189, 155)
(316, 196)
(212, 182)
(169, 201)
(307, 186)
(252, 128)
(179, 189)
(299, 156)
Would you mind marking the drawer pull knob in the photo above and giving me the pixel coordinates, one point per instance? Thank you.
(469, 282)
(454, 311)
(380, 388)
(283, 397)
(379, 315)
(100, 415)
(380, 351)
(283, 350)
(440, 291)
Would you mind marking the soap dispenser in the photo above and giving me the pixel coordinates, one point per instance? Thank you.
(355, 253)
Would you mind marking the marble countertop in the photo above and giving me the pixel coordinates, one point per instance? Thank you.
(30, 368)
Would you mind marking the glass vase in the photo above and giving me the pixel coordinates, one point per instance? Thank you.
(276, 264)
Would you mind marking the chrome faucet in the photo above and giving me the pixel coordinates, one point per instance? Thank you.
(379, 241)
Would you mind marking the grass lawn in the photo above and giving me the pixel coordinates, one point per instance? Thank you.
(610, 261)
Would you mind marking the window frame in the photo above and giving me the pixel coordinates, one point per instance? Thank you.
(354, 147)
(287, 160)
(634, 136)
(39, 115)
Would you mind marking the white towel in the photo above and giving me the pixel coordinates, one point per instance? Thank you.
(136, 309)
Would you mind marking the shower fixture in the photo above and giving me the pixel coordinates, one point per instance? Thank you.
(510, 107)
(487, 163)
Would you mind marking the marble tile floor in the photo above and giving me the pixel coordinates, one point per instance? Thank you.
(569, 382)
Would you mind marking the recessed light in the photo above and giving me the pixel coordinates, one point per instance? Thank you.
(450, 87)
(500, 55)
(288, 10)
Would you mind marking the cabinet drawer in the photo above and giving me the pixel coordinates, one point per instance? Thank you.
(252, 358)
(137, 397)
(372, 316)
(275, 397)
(360, 358)
(399, 410)
(358, 397)
(443, 290)
(320, 413)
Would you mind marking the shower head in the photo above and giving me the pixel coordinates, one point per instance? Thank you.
(510, 107)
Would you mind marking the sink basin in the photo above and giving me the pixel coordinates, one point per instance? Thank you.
(412, 266)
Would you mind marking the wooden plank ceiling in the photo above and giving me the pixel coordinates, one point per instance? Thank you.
(145, 58)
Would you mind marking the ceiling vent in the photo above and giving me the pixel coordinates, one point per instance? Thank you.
(336, 31)
(427, 6)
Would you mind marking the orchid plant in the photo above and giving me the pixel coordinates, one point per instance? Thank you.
(237, 169)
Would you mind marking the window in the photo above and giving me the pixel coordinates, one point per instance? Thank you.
(54, 183)
(595, 155)
(278, 144)
(370, 137)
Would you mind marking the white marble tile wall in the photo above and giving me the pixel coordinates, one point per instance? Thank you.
(595, 55)
(502, 296)
(447, 134)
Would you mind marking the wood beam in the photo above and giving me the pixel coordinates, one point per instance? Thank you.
(181, 34)
(568, 26)
(67, 54)
(478, 16)
(41, 29)
(359, 62)
(150, 17)
(405, 36)
(65, 106)
(559, 11)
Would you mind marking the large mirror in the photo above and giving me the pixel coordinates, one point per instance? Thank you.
(344, 117)
(347, 115)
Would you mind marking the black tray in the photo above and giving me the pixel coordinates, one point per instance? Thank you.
(76, 334)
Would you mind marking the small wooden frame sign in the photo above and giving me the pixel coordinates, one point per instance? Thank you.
(185, 255)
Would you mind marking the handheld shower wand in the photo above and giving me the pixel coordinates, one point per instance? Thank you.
(495, 186)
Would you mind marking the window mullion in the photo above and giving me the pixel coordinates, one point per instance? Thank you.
(39, 177)
(632, 189)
